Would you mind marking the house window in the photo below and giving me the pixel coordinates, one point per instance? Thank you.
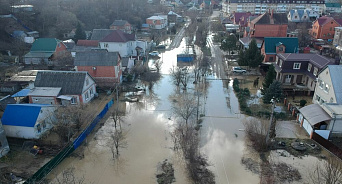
(39, 129)
(330, 29)
(86, 95)
(320, 83)
(271, 58)
(315, 71)
(318, 98)
(331, 100)
(280, 48)
(326, 88)
(43, 124)
(73, 100)
(91, 92)
(296, 65)
(309, 67)
(322, 101)
(87, 82)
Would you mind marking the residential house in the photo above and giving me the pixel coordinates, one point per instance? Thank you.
(332, 8)
(84, 46)
(324, 117)
(122, 25)
(62, 87)
(70, 34)
(28, 121)
(241, 19)
(156, 22)
(299, 15)
(279, 6)
(105, 67)
(4, 147)
(124, 43)
(245, 41)
(274, 45)
(298, 72)
(173, 17)
(19, 35)
(337, 43)
(323, 27)
(44, 50)
(268, 25)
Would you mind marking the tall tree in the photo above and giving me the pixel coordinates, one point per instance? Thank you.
(229, 43)
(242, 60)
(270, 76)
(79, 34)
(274, 91)
(253, 54)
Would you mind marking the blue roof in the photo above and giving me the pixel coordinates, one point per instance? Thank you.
(21, 93)
(21, 114)
(144, 25)
(290, 43)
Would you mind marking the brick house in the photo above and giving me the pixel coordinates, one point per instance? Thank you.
(323, 27)
(157, 22)
(298, 72)
(267, 25)
(271, 46)
(45, 50)
(122, 25)
(105, 67)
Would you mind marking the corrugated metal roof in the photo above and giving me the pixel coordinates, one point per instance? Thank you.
(96, 58)
(21, 114)
(335, 75)
(119, 23)
(21, 93)
(314, 114)
(44, 91)
(118, 36)
(45, 44)
(316, 59)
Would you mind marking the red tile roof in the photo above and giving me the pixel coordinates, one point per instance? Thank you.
(88, 43)
(118, 36)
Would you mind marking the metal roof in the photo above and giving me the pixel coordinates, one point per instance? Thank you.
(21, 93)
(290, 43)
(314, 114)
(21, 114)
(96, 58)
(335, 75)
(44, 91)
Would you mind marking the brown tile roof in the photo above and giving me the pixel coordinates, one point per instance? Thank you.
(325, 19)
(118, 36)
(88, 43)
(266, 18)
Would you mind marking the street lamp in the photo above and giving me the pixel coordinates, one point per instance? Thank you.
(271, 121)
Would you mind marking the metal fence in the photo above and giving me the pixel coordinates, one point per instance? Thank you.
(47, 168)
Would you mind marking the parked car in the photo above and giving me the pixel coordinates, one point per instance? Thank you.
(160, 47)
(154, 53)
(238, 70)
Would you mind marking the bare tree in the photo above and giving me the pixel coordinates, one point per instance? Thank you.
(69, 121)
(185, 107)
(176, 75)
(118, 140)
(328, 172)
(256, 131)
(117, 117)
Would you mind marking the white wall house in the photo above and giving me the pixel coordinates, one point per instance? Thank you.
(27, 121)
(325, 116)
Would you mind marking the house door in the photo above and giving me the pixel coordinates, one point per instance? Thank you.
(288, 79)
(299, 79)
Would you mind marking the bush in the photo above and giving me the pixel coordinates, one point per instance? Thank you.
(302, 103)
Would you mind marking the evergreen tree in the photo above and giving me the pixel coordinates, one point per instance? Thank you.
(270, 76)
(242, 60)
(254, 56)
(79, 34)
(229, 43)
(274, 91)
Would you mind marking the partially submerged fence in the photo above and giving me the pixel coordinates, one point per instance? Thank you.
(47, 168)
(327, 144)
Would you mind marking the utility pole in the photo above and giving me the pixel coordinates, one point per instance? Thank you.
(271, 122)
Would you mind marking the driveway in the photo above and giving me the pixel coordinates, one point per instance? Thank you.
(290, 129)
